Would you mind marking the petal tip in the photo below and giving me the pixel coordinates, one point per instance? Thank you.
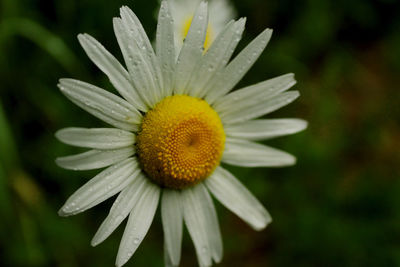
(242, 20)
(121, 261)
(94, 242)
(61, 212)
(292, 161)
(58, 135)
(59, 162)
(124, 7)
(305, 125)
(81, 36)
(267, 33)
(262, 225)
(116, 21)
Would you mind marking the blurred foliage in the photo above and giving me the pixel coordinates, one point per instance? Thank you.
(339, 206)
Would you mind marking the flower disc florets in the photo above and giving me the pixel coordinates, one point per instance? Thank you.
(181, 142)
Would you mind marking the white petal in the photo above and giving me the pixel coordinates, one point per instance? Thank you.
(171, 214)
(216, 57)
(233, 195)
(238, 67)
(139, 69)
(97, 138)
(265, 129)
(102, 104)
(139, 223)
(104, 185)
(117, 74)
(192, 49)
(94, 159)
(249, 154)
(245, 112)
(202, 223)
(165, 47)
(122, 206)
(254, 94)
(167, 257)
(139, 56)
(140, 37)
(221, 11)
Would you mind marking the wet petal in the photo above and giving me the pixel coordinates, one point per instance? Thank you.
(239, 66)
(192, 49)
(103, 186)
(165, 47)
(172, 218)
(97, 138)
(265, 129)
(254, 109)
(215, 59)
(94, 159)
(233, 195)
(117, 74)
(139, 223)
(202, 223)
(254, 94)
(101, 104)
(121, 208)
(249, 154)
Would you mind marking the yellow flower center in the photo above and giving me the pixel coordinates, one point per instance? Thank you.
(181, 142)
(209, 33)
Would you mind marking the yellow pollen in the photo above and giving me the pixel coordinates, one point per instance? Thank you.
(209, 33)
(181, 142)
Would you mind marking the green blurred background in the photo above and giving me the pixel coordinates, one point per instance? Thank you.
(339, 206)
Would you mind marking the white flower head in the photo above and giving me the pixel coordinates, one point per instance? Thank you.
(220, 13)
(176, 121)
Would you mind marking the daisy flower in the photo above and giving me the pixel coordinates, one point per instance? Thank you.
(174, 124)
(221, 12)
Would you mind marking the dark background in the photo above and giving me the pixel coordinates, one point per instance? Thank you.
(339, 206)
